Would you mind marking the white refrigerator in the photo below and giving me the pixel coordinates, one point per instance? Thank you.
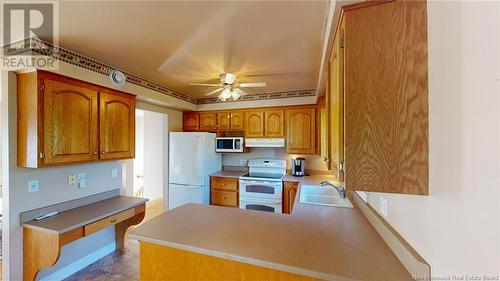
(192, 159)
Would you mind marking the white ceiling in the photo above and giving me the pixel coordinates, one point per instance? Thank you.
(175, 43)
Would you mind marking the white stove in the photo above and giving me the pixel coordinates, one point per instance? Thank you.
(261, 189)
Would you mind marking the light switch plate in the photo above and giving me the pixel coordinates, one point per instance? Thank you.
(72, 179)
(33, 186)
(383, 206)
(114, 173)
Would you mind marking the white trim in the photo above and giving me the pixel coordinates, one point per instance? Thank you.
(81, 263)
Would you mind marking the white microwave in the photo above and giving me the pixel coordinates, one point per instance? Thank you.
(229, 144)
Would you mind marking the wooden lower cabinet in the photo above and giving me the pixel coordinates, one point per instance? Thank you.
(224, 192)
(289, 194)
(167, 263)
(224, 198)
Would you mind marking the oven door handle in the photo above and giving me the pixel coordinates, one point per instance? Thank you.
(253, 200)
(268, 183)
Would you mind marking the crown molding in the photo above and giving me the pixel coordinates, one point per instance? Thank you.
(37, 46)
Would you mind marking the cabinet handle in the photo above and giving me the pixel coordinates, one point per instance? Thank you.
(102, 152)
(223, 197)
(113, 220)
(95, 152)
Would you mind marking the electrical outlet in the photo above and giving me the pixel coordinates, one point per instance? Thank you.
(363, 195)
(33, 186)
(383, 206)
(82, 181)
(72, 179)
(114, 173)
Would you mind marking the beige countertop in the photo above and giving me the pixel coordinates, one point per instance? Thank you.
(78, 217)
(229, 174)
(316, 241)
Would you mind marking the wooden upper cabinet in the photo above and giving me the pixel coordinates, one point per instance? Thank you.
(386, 98)
(336, 104)
(70, 123)
(117, 125)
(62, 120)
(274, 123)
(224, 120)
(208, 121)
(301, 130)
(237, 120)
(254, 122)
(191, 121)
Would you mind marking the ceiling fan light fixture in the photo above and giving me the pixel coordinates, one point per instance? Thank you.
(235, 95)
(225, 94)
(228, 78)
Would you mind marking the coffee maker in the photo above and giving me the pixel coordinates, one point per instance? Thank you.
(298, 167)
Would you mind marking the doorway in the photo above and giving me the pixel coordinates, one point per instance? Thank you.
(150, 163)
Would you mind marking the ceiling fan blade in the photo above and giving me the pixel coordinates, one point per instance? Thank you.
(214, 91)
(253, 85)
(203, 84)
(241, 92)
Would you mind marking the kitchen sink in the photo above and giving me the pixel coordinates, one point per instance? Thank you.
(322, 195)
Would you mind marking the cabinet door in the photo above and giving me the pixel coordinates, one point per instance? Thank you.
(254, 121)
(274, 123)
(386, 98)
(191, 121)
(301, 133)
(208, 121)
(336, 89)
(224, 120)
(289, 193)
(69, 124)
(237, 120)
(117, 130)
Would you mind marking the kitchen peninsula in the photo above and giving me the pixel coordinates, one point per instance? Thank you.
(313, 242)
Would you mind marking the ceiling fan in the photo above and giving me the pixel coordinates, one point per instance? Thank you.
(229, 86)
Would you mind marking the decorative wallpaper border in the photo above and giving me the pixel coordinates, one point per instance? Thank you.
(265, 96)
(37, 46)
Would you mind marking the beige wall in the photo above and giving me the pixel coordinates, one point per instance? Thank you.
(53, 190)
(457, 227)
(53, 181)
(313, 161)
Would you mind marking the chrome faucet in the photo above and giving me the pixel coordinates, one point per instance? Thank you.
(340, 189)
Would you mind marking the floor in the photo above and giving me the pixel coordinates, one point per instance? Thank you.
(119, 266)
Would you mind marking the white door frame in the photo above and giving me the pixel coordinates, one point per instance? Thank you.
(128, 165)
